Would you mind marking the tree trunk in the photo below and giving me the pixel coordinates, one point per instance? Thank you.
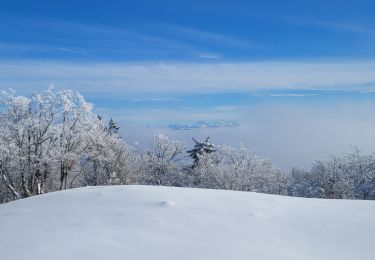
(11, 188)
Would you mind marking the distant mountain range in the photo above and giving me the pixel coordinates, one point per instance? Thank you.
(203, 124)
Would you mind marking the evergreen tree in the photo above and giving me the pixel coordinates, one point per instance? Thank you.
(200, 148)
(112, 127)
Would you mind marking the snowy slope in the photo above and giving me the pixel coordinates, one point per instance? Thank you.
(143, 222)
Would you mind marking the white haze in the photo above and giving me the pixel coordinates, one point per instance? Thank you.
(291, 136)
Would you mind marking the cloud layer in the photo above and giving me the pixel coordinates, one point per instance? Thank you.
(132, 78)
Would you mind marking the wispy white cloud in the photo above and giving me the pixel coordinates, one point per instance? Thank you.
(207, 36)
(145, 38)
(332, 25)
(211, 56)
(41, 48)
(291, 95)
(367, 91)
(146, 99)
(345, 27)
(131, 78)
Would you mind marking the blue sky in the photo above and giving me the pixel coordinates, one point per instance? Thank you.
(187, 30)
(296, 74)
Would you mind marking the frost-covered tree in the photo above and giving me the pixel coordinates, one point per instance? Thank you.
(109, 160)
(27, 141)
(48, 140)
(159, 161)
(237, 169)
(347, 177)
(303, 183)
(360, 174)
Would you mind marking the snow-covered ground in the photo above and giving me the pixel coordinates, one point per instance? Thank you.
(144, 222)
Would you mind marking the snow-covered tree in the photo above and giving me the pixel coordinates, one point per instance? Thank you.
(360, 174)
(48, 140)
(347, 177)
(27, 140)
(236, 169)
(109, 160)
(159, 161)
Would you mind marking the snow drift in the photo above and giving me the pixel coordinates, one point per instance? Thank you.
(145, 222)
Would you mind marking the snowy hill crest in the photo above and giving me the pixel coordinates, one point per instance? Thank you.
(148, 222)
